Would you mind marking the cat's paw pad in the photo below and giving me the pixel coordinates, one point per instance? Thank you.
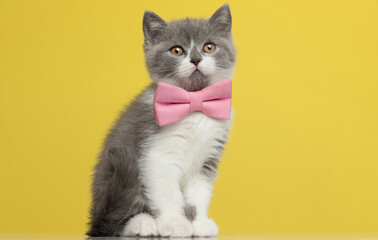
(175, 227)
(204, 228)
(141, 225)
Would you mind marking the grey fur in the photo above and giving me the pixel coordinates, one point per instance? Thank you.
(209, 168)
(117, 191)
(162, 65)
(190, 212)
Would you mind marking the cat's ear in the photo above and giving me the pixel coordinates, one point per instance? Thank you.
(221, 19)
(153, 26)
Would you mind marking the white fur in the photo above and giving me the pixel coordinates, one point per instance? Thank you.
(207, 65)
(140, 225)
(185, 67)
(204, 227)
(171, 173)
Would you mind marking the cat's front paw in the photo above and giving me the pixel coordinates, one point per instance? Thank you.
(174, 227)
(140, 225)
(204, 228)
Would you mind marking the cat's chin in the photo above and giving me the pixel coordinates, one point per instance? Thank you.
(197, 81)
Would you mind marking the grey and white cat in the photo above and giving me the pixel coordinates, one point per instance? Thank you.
(157, 181)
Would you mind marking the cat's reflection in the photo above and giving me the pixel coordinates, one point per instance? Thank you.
(150, 238)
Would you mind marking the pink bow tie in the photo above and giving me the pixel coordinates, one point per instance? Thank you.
(173, 103)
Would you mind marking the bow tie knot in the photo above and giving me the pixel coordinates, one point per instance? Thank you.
(195, 101)
(172, 103)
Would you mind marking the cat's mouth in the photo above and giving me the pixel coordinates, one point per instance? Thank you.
(197, 75)
(197, 80)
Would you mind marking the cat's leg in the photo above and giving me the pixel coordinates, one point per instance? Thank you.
(197, 192)
(142, 225)
(162, 171)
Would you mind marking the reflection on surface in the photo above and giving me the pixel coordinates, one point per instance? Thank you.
(152, 238)
(255, 236)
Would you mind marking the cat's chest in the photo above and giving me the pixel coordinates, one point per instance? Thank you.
(196, 134)
(185, 145)
(198, 125)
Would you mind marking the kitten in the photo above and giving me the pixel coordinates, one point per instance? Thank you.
(157, 181)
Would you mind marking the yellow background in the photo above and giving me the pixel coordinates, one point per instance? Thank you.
(303, 152)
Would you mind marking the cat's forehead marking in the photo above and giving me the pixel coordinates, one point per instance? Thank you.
(192, 46)
(190, 49)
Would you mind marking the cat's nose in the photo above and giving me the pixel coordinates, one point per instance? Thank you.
(195, 61)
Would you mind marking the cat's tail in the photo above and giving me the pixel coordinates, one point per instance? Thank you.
(116, 192)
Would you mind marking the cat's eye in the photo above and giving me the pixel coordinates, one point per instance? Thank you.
(209, 47)
(178, 51)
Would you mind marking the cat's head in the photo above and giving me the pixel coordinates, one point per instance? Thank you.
(189, 53)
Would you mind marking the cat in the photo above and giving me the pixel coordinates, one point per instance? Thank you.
(154, 180)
